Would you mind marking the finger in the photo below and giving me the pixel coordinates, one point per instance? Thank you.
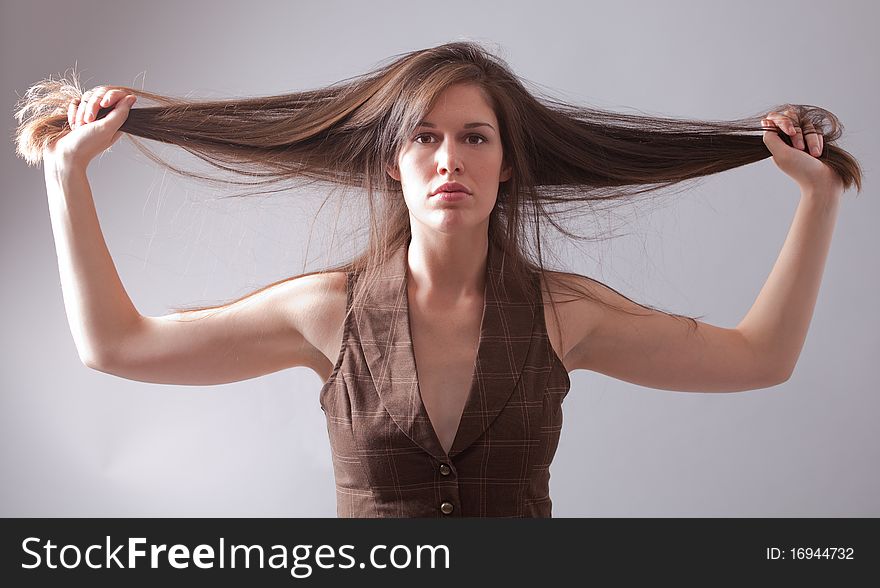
(774, 142)
(126, 102)
(71, 113)
(769, 123)
(821, 145)
(785, 122)
(111, 97)
(76, 115)
(777, 123)
(782, 122)
(80, 109)
(798, 138)
(812, 139)
(789, 127)
(92, 107)
(120, 110)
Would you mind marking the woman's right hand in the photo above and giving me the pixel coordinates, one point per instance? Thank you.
(89, 137)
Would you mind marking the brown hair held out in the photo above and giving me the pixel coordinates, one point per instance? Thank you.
(567, 160)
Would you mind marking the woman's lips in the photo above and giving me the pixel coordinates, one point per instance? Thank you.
(451, 196)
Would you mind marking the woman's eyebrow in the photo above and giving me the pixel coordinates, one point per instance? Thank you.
(469, 125)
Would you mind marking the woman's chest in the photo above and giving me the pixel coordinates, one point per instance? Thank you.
(445, 349)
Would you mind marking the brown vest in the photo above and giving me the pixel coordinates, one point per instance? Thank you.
(387, 458)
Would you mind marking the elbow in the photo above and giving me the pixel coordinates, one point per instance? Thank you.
(94, 361)
(90, 363)
(788, 373)
(787, 370)
(88, 359)
(779, 381)
(786, 376)
(777, 377)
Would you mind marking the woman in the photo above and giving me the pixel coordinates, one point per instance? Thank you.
(444, 348)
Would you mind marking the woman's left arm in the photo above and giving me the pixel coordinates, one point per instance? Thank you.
(658, 350)
(778, 321)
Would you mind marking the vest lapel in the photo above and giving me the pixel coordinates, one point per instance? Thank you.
(386, 340)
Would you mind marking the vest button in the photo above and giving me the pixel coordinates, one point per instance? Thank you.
(446, 508)
(444, 469)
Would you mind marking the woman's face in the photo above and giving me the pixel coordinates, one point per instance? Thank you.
(458, 141)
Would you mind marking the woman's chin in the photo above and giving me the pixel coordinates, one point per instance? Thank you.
(453, 221)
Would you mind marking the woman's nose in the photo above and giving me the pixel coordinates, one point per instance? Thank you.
(448, 159)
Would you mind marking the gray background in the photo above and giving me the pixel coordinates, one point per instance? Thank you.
(77, 442)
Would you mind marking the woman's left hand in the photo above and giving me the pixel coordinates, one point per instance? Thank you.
(801, 161)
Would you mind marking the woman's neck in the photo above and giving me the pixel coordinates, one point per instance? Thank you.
(447, 268)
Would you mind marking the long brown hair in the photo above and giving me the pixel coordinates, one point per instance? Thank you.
(567, 160)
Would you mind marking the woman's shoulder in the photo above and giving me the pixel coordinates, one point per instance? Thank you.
(569, 311)
(558, 283)
(572, 286)
(320, 302)
(553, 314)
(316, 287)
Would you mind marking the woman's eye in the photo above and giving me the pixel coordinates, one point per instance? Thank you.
(482, 139)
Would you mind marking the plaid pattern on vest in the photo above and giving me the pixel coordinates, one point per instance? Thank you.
(387, 458)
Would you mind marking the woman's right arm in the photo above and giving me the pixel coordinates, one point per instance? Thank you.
(98, 308)
(255, 336)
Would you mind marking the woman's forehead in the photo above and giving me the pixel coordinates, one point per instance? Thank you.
(459, 102)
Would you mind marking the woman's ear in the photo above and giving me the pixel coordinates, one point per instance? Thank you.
(393, 172)
(506, 173)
